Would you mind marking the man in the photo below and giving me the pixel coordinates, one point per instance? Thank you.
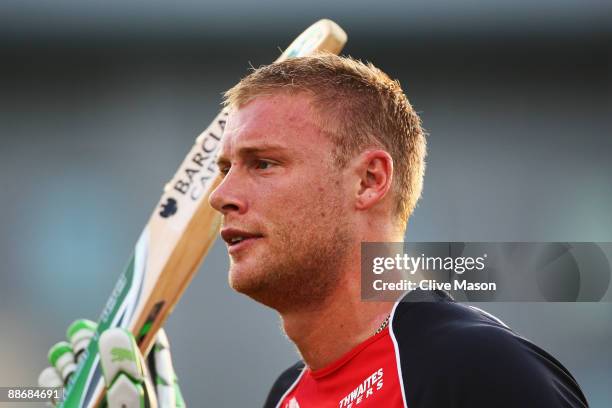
(319, 155)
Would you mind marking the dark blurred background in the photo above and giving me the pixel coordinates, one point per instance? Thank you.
(100, 102)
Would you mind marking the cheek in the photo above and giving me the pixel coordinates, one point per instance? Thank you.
(296, 200)
(284, 198)
(319, 205)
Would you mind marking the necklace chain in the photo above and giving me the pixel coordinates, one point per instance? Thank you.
(384, 324)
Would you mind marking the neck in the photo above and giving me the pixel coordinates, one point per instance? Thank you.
(325, 332)
(324, 335)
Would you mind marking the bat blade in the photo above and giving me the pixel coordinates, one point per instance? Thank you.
(176, 239)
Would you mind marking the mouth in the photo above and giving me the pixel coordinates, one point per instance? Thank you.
(237, 239)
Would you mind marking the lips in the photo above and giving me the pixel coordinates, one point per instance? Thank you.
(237, 238)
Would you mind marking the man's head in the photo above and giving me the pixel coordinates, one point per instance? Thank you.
(319, 153)
(358, 106)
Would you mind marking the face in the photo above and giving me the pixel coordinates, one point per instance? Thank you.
(285, 213)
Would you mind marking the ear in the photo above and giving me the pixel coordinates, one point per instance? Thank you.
(375, 171)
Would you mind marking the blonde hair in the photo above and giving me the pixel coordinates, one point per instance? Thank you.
(360, 107)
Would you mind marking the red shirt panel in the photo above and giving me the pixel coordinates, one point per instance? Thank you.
(365, 377)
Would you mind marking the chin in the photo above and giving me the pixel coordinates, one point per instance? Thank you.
(243, 280)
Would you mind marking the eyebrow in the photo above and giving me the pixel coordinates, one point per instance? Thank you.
(247, 150)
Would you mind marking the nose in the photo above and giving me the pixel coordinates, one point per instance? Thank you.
(228, 197)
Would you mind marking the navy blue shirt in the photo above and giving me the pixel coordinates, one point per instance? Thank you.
(457, 356)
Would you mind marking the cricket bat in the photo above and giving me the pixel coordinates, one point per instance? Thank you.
(174, 242)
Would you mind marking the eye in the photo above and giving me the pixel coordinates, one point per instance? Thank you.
(224, 170)
(262, 165)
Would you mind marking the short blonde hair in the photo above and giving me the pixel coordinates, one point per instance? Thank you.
(360, 107)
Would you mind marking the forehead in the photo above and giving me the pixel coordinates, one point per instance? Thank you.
(288, 121)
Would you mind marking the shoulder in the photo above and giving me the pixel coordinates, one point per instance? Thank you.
(283, 383)
(450, 352)
(434, 318)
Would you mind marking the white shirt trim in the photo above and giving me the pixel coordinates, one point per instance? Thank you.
(397, 356)
(297, 380)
